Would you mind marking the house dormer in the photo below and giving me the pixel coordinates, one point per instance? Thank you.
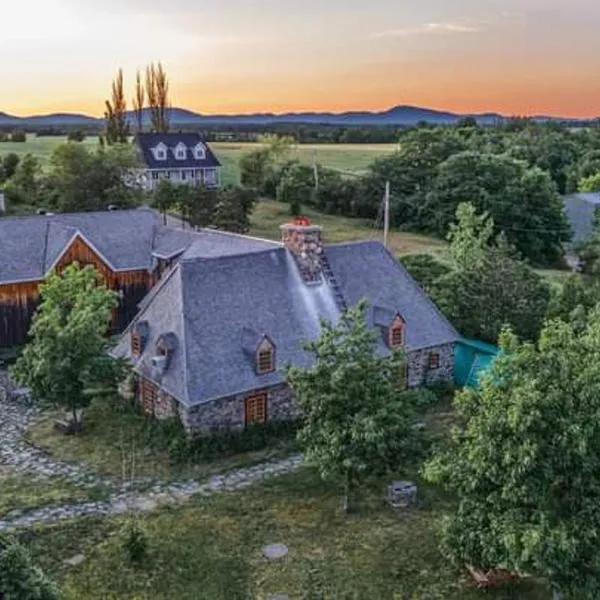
(163, 354)
(392, 325)
(180, 151)
(260, 350)
(396, 334)
(199, 152)
(139, 338)
(160, 152)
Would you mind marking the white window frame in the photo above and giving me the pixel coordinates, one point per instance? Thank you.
(200, 152)
(210, 176)
(180, 151)
(160, 152)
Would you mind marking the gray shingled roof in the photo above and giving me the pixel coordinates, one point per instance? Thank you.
(126, 239)
(218, 304)
(147, 141)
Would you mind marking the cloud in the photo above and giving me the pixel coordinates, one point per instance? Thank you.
(429, 29)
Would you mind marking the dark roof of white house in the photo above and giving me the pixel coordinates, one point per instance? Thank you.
(216, 305)
(146, 142)
(126, 240)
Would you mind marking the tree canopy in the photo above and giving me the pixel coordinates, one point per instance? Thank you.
(355, 418)
(525, 463)
(66, 359)
(488, 286)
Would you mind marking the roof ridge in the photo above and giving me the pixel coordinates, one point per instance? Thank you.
(58, 215)
(244, 253)
(238, 235)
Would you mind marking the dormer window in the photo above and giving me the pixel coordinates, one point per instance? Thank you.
(180, 151)
(265, 357)
(136, 344)
(163, 354)
(396, 335)
(199, 152)
(160, 152)
(139, 337)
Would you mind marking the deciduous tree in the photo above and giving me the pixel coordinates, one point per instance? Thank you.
(355, 419)
(117, 126)
(66, 360)
(157, 92)
(488, 285)
(525, 464)
(139, 99)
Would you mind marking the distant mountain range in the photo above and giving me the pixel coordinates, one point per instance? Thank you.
(398, 115)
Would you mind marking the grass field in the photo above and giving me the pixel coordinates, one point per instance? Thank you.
(351, 158)
(211, 549)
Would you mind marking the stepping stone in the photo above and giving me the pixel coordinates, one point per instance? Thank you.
(275, 551)
(145, 504)
(75, 561)
(278, 597)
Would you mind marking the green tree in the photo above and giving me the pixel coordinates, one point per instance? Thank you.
(80, 179)
(254, 168)
(411, 171)
(525, 464)
(522, 202)
(355, 419)
(67, 357)
(576, 294)
(488, 286)
(296, 187)
(20, 578)
(24, 186)
(139, 99)
(165, 197)
(233, 208)
(76, 135)
(117, 126)
(591, 183)
(425, 270)
(10, 162)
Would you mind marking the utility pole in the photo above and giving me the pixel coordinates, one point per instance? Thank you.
(386, 213)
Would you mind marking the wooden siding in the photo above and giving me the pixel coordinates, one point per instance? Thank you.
(18, 301)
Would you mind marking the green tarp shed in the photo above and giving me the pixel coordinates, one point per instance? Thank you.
(471, 359)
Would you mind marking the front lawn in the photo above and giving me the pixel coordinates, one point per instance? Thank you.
(212, 549)
(115, 440)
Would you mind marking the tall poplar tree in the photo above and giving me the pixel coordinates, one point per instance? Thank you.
(139, 99)
(157, 91)
(117, 125)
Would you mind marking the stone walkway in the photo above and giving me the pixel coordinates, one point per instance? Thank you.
(21, 457)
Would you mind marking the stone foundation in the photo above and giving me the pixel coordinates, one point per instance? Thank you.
(230, 412)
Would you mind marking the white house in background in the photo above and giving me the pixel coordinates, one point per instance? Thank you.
(179, 157)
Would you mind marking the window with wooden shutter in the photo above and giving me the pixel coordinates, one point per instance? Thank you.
(265, 361)
(136, 344)
(256, 409)
(434, 360)
(149, 394)
(396, 333)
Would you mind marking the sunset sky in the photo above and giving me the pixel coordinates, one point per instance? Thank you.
(511, 56)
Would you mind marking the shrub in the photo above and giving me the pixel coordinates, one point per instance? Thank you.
(420, 398)
(220, 442)
(134, 540)
(18, 136)
(20, 579)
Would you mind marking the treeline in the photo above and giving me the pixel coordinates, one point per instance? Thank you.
(516, 173)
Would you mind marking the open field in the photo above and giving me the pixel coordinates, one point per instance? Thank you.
(211, 549)
(352, 158)
(269, 215)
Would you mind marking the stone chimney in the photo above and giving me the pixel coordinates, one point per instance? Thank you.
(303, 240)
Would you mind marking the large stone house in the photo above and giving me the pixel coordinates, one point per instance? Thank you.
(182, 158)
(210, 341)
(131, 249)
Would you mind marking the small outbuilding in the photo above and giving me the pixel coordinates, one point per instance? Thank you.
(473, 358)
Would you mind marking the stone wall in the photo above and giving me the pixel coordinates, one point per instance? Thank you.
(231, 411)
(419, 373)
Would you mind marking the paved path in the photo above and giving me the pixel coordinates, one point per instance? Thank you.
(21, 457)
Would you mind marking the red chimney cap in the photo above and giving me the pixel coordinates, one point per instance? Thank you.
(303, 221)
